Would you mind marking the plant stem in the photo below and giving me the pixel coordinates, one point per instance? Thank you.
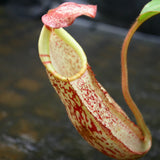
(125, 87)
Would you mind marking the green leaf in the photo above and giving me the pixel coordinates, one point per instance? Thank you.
(150, 9)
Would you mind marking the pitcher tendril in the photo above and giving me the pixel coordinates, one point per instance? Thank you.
(125, 88)
(93, 112)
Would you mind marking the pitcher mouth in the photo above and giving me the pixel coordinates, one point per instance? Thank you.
(61, 54)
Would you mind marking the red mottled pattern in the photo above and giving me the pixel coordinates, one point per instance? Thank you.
(92, 111)
(94, 120)
(95, 115)
(65, 65)
(66, 13)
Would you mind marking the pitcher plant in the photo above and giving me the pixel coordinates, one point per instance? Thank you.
(93, 112)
